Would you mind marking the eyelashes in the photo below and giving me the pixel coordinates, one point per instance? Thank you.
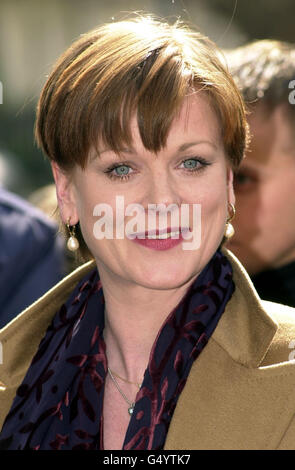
(118, 171)
(121, 171)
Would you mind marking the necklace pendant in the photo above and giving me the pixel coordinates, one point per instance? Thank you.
(130, 409)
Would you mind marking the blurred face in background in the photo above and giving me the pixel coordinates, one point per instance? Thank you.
(265, 193)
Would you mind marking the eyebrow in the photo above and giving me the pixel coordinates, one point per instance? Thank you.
(187, 145)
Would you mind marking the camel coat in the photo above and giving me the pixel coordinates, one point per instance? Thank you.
(240, 393)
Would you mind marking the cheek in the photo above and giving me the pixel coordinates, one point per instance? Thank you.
(91, 207)
(85, 204)
(214, 215)
(214, 199)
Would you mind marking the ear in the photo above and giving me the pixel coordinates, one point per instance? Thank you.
(65, 195)
(230, 186)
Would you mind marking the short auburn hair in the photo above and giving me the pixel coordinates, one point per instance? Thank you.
(140, 65)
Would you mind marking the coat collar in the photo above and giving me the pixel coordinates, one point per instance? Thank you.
(245, 330)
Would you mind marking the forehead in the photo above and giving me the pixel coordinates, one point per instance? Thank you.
(273, 136)
(195, 120)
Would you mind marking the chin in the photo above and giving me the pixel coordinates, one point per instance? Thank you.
(168, 278)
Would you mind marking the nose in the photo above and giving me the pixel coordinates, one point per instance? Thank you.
(162, 189)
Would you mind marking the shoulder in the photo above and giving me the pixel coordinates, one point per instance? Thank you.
(263, 331)
(13, 205)
(32, 255)
(19, 339)
(26, 234)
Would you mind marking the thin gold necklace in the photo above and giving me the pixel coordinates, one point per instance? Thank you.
(131, 404)
(125, 380)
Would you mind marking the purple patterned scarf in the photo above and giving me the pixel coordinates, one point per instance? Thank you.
(59, 404)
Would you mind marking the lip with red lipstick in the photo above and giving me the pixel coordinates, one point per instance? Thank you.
(163, 239)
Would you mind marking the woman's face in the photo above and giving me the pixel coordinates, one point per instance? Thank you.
(191, 169)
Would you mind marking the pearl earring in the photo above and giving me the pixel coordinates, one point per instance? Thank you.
(72, 243)
(229, 230)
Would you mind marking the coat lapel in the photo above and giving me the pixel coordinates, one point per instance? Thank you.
(231, 400)
(21, 337)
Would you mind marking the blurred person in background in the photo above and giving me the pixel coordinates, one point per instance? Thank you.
(32, 256)
(264, 239)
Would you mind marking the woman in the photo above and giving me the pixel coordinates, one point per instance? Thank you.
(151, 344)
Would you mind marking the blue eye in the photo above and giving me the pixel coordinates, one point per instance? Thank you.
(122, 170)
(119, 172)
(191, 163)
(195, 165)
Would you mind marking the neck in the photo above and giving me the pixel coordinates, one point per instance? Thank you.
(133, 318)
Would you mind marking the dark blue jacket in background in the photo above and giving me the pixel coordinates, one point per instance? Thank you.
(32, 257)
